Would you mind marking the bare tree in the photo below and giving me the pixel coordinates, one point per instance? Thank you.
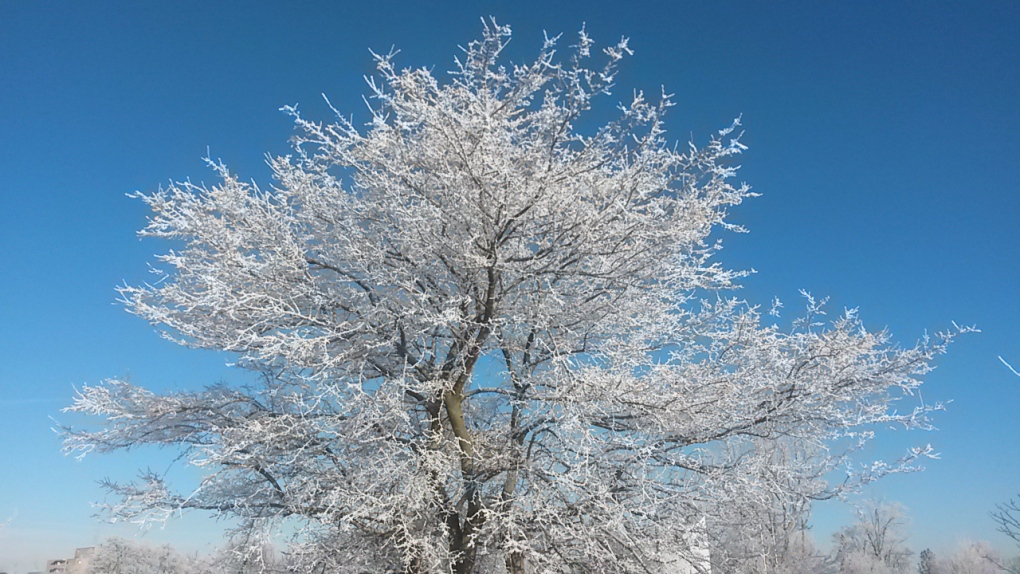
(1007, 514)
(488, 340)
(1007, 517)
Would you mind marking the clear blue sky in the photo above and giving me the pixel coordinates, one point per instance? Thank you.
(884, 136)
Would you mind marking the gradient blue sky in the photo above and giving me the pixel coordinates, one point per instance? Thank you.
(883, 137)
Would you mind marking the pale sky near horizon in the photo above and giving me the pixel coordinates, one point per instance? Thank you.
(883, 137)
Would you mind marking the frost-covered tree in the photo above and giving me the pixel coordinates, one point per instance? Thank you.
(973, 558)
(122, 556)
(875, 543)
(489, 339)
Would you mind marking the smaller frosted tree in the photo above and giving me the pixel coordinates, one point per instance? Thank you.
(875, 543)
(973, 558)
(122, 556)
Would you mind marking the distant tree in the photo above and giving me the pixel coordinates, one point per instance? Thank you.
(973, 558)
(876, 542)
(122, 556)
(927, 563)
(486, 337)
(116, 556)
(244, 557)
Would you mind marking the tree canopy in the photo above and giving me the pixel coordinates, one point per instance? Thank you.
(488, 338)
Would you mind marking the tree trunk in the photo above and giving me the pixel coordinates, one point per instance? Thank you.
(515, 563)
(466, 563)
(466, 549)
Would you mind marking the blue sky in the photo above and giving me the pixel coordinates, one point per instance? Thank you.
(883, 136)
